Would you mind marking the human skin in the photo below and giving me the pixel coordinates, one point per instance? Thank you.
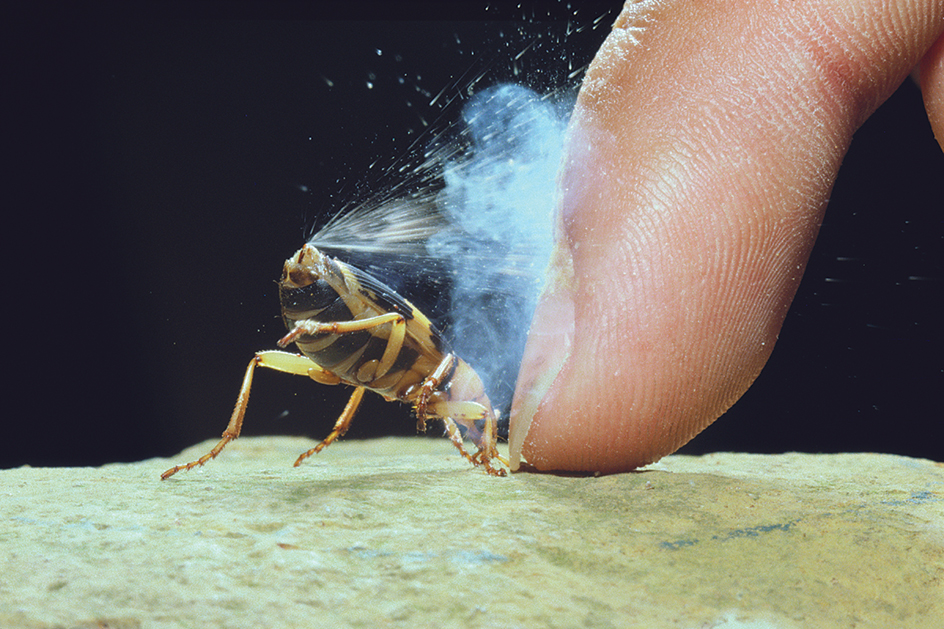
(701, 154)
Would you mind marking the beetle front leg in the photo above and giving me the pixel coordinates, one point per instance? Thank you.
(397, 323)
(280, 361)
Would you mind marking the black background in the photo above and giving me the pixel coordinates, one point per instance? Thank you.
(164, 168)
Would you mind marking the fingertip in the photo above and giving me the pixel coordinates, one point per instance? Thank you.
(931, 78)
(549, 344)
(696, 179)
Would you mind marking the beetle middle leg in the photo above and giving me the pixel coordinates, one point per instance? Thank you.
(391, 351)
(340, 426)
(295, 364)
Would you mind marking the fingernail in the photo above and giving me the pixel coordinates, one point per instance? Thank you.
(548, 347)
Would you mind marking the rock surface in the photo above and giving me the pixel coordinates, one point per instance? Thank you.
(403, 533)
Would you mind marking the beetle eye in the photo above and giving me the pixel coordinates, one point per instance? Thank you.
(315, 296)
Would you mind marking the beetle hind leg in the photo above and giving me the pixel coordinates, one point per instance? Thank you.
(467, 413)
(455, 436)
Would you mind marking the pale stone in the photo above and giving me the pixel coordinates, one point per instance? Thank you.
(404, 533)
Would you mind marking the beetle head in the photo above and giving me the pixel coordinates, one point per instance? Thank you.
(306, 282)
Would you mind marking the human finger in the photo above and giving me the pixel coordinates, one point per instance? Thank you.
(701, 154)
(931, 80)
